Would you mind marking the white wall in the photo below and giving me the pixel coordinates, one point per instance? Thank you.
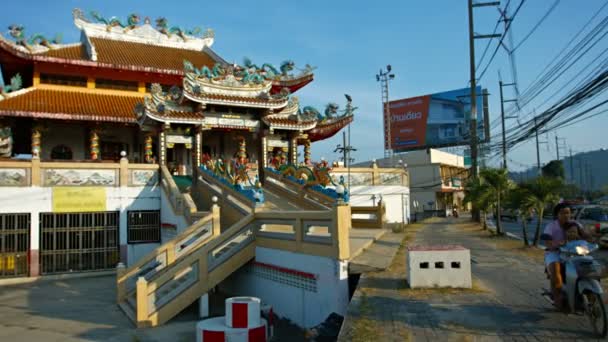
(167, 215)
(396, 199)
(303, 307)
(36, 200)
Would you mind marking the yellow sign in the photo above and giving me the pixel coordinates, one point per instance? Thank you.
(78, 199)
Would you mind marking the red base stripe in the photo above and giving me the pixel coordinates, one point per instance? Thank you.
(213, 336)
(257, 334)
(239, 315)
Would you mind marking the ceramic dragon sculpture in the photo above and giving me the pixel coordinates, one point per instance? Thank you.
(132, 21)
(217, 70)
(15, 84)
(317, 175)
(6, 142)
(162, 25)
(18, 33)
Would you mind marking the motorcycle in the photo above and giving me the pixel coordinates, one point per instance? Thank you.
(455, 212)
(582, 292)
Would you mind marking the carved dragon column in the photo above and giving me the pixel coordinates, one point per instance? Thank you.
(94, 144)
(307, 158)
(242, 153)
(198, 146)
(162, 146)
(36, 137)
(264, 154)
(293, 150)
(148, 149)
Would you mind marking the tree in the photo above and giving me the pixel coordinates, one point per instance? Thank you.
(480, 195)
(542, 192)
(554, 169)
(498, 182)
(519, 199)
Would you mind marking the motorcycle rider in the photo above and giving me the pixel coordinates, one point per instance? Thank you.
(555, 236)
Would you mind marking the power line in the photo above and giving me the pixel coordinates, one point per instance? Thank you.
(537, 25)
(501, 39)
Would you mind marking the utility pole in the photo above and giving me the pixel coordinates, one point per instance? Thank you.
(537, 149)
(580, 173)
(557, 146)
(571, 167)
(383, 77)
(502, 118)
(473, 127)
(345, 150)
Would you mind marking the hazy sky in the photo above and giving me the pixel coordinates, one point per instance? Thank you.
(426, 42)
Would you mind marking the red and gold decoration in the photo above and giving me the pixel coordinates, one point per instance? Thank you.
(148, 149)
(94, 141)
(36, 137)
(307, 158)
(242, 152)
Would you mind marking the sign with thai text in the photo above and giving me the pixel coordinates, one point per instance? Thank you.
(78, 199)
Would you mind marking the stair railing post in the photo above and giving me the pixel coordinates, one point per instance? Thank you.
(121, 287)
(142, 302)
(215, 211)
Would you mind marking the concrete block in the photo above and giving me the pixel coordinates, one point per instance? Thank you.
(439, 266)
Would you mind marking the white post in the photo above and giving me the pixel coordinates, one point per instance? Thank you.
(203, 306)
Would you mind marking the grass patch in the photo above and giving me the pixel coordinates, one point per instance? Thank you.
(364, 328)
(426, 293)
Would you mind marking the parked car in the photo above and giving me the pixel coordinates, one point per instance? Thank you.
(595, 219)
(508, 214)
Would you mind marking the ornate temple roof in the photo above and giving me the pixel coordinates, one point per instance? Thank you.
(55, 103)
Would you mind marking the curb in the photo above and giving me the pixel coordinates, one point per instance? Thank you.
(28, 280)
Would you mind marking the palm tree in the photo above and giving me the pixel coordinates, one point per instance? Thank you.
(480, 195)
(519, 199)
(498, 181)
(542, 191)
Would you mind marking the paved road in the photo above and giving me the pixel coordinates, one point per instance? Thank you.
(510, 308)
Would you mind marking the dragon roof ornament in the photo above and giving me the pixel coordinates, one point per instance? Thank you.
(133, 30)
(36, 43)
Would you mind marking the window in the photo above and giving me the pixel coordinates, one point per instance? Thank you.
(102, 83)
(61, 152)
(69, 80)
(143, 226)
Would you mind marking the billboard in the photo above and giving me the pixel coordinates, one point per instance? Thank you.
(436, 120)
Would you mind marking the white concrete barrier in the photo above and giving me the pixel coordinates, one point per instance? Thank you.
(439, 266)
(241, 323)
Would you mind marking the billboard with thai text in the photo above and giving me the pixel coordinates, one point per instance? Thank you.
(436, 120)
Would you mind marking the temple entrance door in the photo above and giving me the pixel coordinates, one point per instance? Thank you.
(179, 159)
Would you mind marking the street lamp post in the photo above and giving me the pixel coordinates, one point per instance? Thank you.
(383, 77)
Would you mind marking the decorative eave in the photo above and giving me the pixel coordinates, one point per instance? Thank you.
(289, 124)
(166, 108)
(293, 83)
(329, 128)
(227, 85)
(225, 97)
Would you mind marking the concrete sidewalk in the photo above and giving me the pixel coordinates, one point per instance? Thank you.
(505, 303)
